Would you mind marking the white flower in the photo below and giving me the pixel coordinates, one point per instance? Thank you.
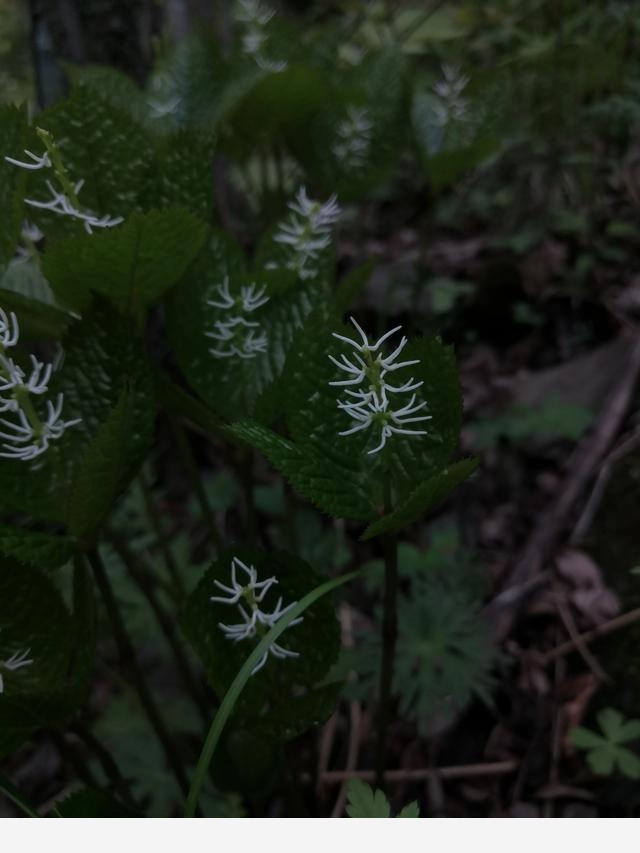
(240, 336)
(369, 405)
(354, 138)
(255, 16)
(251, 297)
(9, 329)
(25, 441)
(253, 12)
(15, 662)
(42, 162)
(307, 231)
(449, 90)
(59, 203)
(254, 619)
(237, 590)
(37, 383)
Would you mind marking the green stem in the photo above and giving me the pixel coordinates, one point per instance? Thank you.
(145, 583)
(389, 637)
(189, 462)
(238, 683)
(130, 660)
(161, 536)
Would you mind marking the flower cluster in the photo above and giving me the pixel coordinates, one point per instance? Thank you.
(27, 435)
(255, 16)
(354, 138)
(238, 335)
(451, 105)
(370, 405)
(63, 201)
(307, 232)
(16, 661)
(255, 621)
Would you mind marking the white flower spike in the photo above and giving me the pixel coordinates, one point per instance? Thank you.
(15, 662)
(354, 138)
(9, 330)
(307, 231)
(369, 405)
(241, 337)
(42, 162)
(254, 620)
(28, 436)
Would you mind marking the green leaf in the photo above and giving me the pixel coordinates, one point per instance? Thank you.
(101, 356)
(132, 265)
(411, 810)
(24, 291)
(585, 738)
(33, 617)
(240, 681)
(185, 174)
(333, 489)
(37, 549)
(363, 801)
(101, 145)
(103, 472)
(375, 91)
(628, 763)
(234, 387)
(316, 639)
(423, 499)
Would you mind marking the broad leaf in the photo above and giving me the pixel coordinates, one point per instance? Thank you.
(422, 499)
(132, 265)
(33, 618)
(41, 550)
(103, 472)
(285, 682)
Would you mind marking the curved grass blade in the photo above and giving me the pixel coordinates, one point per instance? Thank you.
(238, 683)
(12, 793)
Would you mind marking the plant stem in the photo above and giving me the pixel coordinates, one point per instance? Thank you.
(145, 582)
(389, 636)
(129, 659)
(189, 462)
(161, 536)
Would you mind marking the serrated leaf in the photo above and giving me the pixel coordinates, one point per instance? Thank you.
(41, 550)
(33, 617)
(316, 639)
(100, 357)
(364, 802)
(132, 265)
(234, 386)
(375, 93)
(102, 473)
(333, 489)
(185, 174)
(99, 144)
(423, 499)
